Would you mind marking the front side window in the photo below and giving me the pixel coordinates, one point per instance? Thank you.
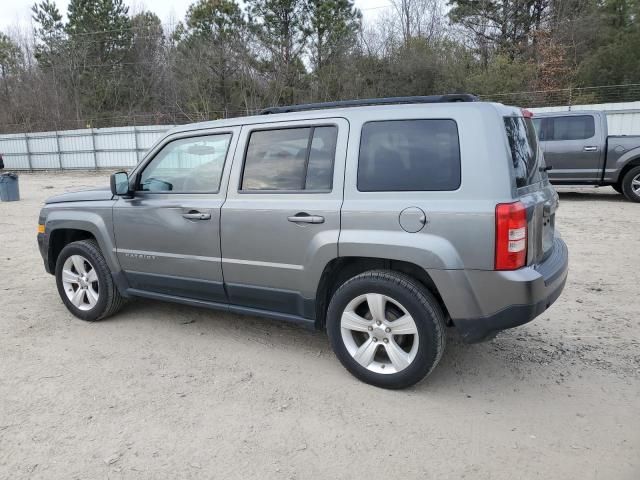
(409, 155)
(290, 159)
(187, 165)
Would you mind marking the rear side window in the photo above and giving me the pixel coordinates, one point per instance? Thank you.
(290, 159)
(409, 155)
(523, 144)
(578, 127)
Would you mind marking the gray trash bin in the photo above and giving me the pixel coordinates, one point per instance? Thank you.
(9, 189)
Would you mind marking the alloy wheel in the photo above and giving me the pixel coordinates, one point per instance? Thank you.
(635, 184)
(379, 333)
(80, 282)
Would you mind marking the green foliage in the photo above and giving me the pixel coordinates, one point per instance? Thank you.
(9, 55)
(333, 28)
(280, 27)
(49, 33)
(209, 57)
(214, 20)
(229, 57)
(99, 36)
(503, 25)
(100, 26)
(503, 75)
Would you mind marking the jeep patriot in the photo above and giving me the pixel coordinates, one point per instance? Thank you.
(380, 221)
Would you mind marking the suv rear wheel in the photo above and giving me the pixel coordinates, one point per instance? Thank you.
(84, 282)
(631, 184)
(386, 328)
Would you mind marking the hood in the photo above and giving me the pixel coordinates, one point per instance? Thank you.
(82, 196)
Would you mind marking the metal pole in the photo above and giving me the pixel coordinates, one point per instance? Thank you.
(135, 136)
(26, 142)
(95, 154)
(570, 98)
(59, 149)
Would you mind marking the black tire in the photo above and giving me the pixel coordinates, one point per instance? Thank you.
(109, 299)
(617, 187)
(416, 300)
(627, 187)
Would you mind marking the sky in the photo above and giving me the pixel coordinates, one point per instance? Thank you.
(16, 14)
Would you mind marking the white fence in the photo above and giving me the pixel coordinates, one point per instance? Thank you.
(123, 147)
(82, 149)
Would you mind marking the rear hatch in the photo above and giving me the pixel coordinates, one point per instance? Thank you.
(532, 185)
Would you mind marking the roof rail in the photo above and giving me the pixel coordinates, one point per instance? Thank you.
(453, 97)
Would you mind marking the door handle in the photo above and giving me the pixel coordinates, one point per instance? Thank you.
(196, 216)
(306, 218)
(590, 149)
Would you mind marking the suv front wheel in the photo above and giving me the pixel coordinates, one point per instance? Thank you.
(84, 282)
(386, 328)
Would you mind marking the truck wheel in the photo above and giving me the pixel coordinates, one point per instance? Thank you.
(631, 184)
(386, 329)
(84, 282)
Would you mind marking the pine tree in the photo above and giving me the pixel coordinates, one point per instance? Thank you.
(211, 53)
(48, 33)
(281, 27)
(333, 25)
(99, 34)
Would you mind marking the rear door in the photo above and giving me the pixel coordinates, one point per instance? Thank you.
(281, 219)
(573, 147)
(533, 187)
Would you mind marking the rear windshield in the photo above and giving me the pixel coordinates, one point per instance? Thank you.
(523, 144)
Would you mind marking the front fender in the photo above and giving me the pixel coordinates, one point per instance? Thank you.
(98, 222)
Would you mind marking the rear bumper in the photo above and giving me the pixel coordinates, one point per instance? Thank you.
(512, 298)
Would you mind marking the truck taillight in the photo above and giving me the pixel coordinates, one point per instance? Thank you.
(511, 236)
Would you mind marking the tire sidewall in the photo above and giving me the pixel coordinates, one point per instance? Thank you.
(103, 281)
(427, 354)
(626, 184)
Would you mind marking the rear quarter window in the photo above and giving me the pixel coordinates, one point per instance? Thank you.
(409, 155)
(523, 146)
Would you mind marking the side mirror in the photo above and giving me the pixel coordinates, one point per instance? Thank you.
(120, 183)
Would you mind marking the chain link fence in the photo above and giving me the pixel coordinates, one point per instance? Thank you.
(124, 141)
(547, 98)
(569, 96)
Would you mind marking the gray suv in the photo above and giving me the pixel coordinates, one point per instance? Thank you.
(380, 221)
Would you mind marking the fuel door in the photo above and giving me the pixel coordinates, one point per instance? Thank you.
(412, 219)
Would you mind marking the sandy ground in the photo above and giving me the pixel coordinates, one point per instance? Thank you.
(167, 391)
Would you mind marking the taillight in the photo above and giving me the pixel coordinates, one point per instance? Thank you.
(511, 236)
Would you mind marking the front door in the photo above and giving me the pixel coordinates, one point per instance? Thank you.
(281, 220)
(572, 148)
(168, 234)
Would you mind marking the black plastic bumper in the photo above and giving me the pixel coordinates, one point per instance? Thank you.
(43, 245)
(553, 272)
